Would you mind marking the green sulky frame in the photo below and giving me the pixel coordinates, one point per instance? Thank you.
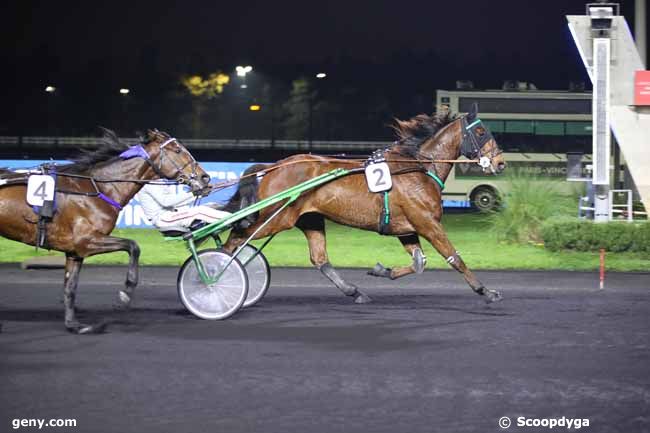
(290, 195)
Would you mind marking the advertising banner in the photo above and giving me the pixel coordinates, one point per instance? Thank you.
(642, 88)
(552, 169)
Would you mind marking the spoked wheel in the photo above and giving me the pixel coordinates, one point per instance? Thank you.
(219, 300)
(258, 271)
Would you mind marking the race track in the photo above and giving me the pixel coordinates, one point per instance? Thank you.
(427, 356)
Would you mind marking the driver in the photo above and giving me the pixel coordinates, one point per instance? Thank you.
(170, 209)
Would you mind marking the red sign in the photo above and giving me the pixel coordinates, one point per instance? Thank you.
(642, 88)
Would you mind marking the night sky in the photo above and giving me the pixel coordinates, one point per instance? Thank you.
(407, 48)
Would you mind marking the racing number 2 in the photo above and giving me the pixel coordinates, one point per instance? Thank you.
(378, 177)
(379, 182)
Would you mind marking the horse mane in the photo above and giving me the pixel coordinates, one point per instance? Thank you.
(414, 132)
(110, 146)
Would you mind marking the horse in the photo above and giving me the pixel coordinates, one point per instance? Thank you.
(90, 192)
(419, 167)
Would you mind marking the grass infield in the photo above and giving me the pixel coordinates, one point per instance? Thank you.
(470, 233)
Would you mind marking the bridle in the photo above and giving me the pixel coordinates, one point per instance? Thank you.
(139, 151)
(475, 136)
(178, 175)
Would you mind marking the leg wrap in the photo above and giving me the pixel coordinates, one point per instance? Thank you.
(330, 272)
(419, 260)
(380, 271)
(454, 260)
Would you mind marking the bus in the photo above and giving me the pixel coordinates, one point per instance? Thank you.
(535, 129)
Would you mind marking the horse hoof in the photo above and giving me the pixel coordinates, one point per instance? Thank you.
(380, 271)
(362, 298)
(492, 296)
(125, 299)
(81, 329)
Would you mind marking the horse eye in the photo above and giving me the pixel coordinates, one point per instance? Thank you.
(178, 149)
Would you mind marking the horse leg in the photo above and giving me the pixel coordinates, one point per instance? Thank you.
(411, 244)
(70, 280)
(435, 234)
(313, 227)
(109, 244)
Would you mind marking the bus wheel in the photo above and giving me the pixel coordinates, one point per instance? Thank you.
(485, 199)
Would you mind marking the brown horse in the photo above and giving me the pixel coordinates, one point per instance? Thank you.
(414, 202)
(89, 196)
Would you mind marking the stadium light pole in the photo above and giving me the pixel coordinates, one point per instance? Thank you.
(311, 97)
(640, 35)
(242, 71)
(124, 96)
(51, 109)
(240, 100)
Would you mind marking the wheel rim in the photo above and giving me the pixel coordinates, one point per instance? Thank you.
(258, 272)
(215, 301)
(484, 200)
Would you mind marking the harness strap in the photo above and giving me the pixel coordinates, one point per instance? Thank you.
(45, 212)
(384, 218)
(109, 200)
(439, 181)
(386, 209)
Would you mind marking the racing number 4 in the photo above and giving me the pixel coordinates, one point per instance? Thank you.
(40, 188)
(40, 191)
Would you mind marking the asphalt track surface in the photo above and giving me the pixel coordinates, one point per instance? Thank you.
(427, 356)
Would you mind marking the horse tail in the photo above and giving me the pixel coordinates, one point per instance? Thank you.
(246, 195)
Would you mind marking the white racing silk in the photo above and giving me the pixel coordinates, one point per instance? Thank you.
(166, 207)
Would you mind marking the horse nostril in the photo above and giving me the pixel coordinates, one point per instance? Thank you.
(501, 166)
(205, 178)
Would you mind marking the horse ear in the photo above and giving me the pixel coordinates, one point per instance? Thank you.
(150, 135)
(473, 113)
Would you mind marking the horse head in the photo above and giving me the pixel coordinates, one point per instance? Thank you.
(446, 136)
(171, 160)
(477, 142)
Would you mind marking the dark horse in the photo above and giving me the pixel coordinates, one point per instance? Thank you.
(414, 201)
(89, 196)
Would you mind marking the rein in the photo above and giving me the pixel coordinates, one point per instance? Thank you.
(131, 152)
(228, 184)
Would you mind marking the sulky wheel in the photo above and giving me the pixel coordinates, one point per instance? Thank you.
(485, 199)
(219, 300)
(258, 271)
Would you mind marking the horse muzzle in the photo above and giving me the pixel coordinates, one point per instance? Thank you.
(199, 184)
